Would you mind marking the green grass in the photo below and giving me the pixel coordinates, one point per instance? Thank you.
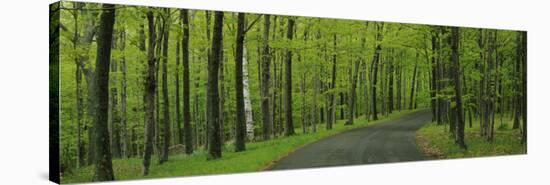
(257, 157)
(436, 141)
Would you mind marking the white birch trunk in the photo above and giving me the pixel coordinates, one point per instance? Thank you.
(247, 104)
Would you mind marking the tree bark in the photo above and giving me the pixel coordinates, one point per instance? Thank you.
(524, 89)
(412, 99)
(212, 103)
(179, 133)
(375, 60)
(433, 92)
(266, 59)
(103, 165)
(288, 81)
(166, 101)
(352, 93)
(150, 93)
(186, 104)
(455, 40)
(390, 81)
(240, 125)
(518, 77)
(123, 113)
(79, 99)
(331, 117)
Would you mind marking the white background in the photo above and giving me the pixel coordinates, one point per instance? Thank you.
(24, 90)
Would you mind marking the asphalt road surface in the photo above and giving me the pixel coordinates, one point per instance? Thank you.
(389, 141)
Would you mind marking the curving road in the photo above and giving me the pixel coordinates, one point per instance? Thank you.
(389, 141)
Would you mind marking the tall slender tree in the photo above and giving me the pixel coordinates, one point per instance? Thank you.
(186, 104)
(374, 68)
(103, 164)
(288, 81)
(266, 59)
(331, 115)
(212, 103)
(524, 89)
(150, 93)
(455, 40)
(240, 125)
(166, 101)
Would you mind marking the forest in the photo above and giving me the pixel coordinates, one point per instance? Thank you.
(142, 89)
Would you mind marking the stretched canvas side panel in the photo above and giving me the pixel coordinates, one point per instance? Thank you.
(54, 92)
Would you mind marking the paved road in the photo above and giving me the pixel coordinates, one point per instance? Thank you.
(390, 141)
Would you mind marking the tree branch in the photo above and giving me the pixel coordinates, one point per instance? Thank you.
(252, 24)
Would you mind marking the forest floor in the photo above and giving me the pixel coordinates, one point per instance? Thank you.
(435, 140)
(392, 141)
(257, 157)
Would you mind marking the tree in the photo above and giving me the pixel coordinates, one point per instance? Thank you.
(179, 130)
(240, 127)
(266, 117)
(352, 93)
(186, 107)
(166, 101)
(123, 97)
(288, 81)
(212, 103)
(518, 77)
(79, 99)
(455, 40)
(150, 93)
(524, 89)
(412, 97)
(331, 115)
(374, 68)
(103, 165)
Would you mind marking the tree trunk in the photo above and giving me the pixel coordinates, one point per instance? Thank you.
(524, 89)
(331, 117)
(433, 92)
(212, 103)
(352, 93)
(103, 165)
(166, 101)
(390, 82)
(186, 104)
(79, 99)
(412, 99)
(179, 134)
(455, 40)
(240, 125)
(113, 122)
(247, 103)
(150, 93)
(266, 59)
(518, 77)
(123, 113)
(374, 68)
(288, 82)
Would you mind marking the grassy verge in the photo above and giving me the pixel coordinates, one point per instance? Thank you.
(257, 157)
(436, 141)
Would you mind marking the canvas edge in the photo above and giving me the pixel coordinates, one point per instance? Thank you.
(54, 29)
